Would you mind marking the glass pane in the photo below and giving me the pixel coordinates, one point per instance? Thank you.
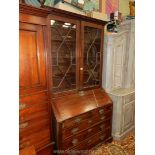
(63, 55)
(92, 44)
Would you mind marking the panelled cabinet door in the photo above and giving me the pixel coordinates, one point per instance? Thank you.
(32, 74)
(92, 42)
(128, 115)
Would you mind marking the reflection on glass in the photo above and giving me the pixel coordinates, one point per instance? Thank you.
(63, 55)
(92, 44)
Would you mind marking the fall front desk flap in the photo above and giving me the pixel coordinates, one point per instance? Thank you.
(71, 105)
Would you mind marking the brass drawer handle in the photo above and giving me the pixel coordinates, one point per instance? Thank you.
(74, 141)
(90, 121)
(89, 130)
(102, 118)
(22, 106)
(74, 130)
(102, 137)
(77, 120)
(23, 125)
(81, 93)
(101, 111)
(53, 143)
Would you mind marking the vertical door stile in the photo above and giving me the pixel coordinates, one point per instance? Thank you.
(81, 55)
(78, 54)
(101, 56)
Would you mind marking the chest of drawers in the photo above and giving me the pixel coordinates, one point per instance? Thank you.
(34, 120)
(82, 121)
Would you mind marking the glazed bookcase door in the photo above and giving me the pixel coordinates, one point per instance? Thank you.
(64, 51)
(91, 61)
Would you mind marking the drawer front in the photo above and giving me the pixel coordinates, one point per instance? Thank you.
(33, 112)
(77, 120)
(84, 125)
(129, 98)
(30, 127)
(42, 113)
(98, 138)
(93, 141)
(38, 139)
(31, 100)
(78, 138)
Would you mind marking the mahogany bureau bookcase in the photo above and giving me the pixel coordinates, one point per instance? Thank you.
(61, 99)
(82, 111)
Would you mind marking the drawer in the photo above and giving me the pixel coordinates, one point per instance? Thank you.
(38, 139)
(85, 124)
(92, 141)
(43, 113)
(129, 98)
(30, 127)
(77, 120)
(98, 138)
(31, 100)
(33, 112)
(78, 138)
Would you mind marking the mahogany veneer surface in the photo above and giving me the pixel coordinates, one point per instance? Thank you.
(72, 105)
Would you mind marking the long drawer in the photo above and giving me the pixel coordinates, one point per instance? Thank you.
(33, 126)
(33, 112)
(91, 142)
(70, 123)
(31, 100)
(85, 124)
(98, 138)
(78, 138)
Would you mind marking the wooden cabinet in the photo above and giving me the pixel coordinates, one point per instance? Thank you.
(34, 111)
(82, 110)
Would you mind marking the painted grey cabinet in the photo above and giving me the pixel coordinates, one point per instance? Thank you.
(118, 77)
